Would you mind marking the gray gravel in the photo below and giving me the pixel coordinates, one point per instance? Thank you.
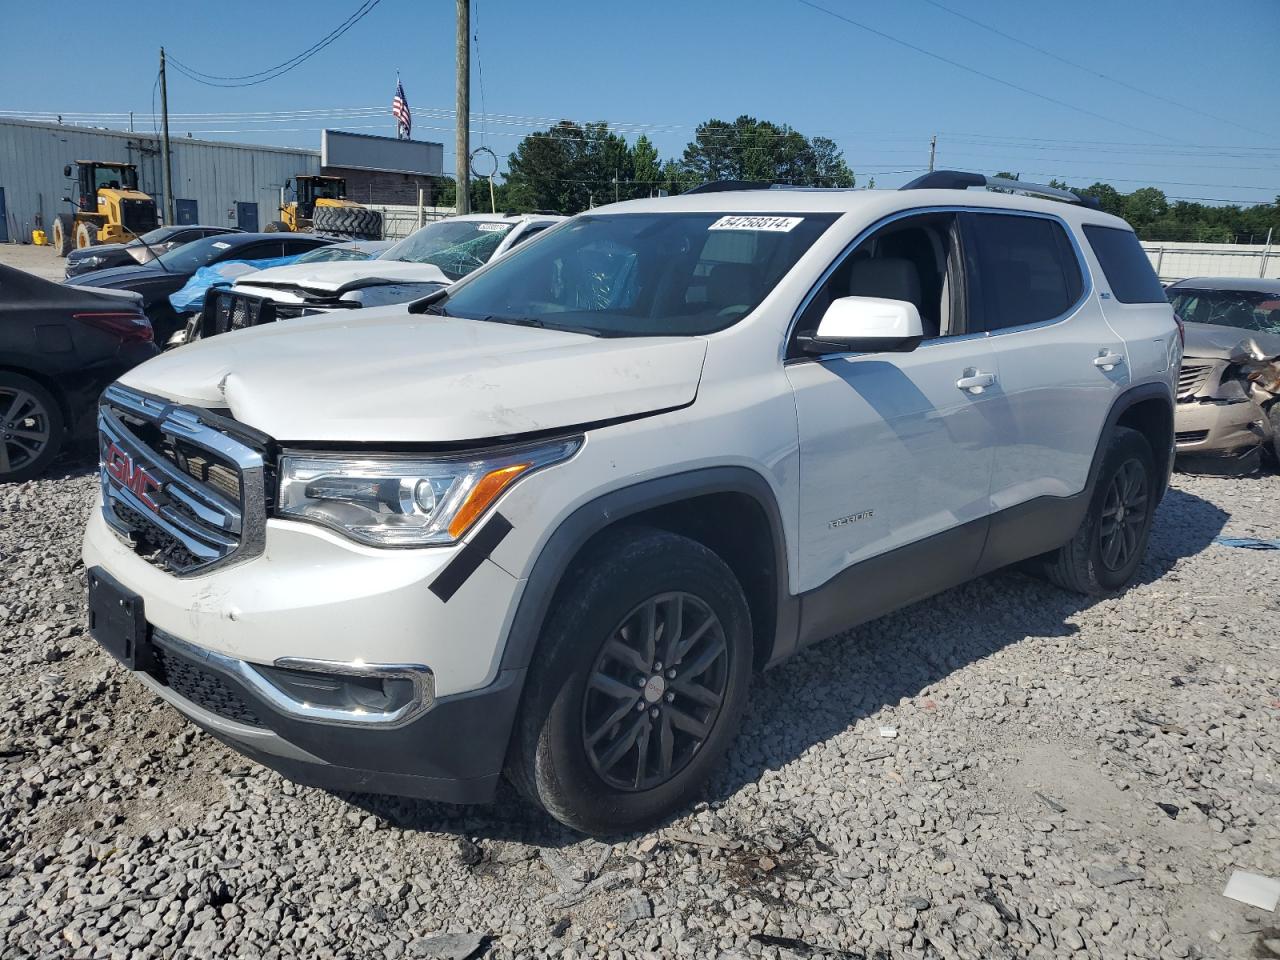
(1067, 779)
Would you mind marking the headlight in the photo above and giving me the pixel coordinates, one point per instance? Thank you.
(88, 263)
(391, 501)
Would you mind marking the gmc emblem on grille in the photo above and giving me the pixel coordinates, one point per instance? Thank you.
(121, 468)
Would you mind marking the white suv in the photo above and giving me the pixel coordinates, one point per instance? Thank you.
(548, 521)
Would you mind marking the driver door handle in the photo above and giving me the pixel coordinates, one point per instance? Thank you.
(975, 381)
(1108, 360)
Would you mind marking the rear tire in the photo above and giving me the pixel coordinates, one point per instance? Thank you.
(276, 226)
(1103, 557)
(610, 738)
(86, 234)
(356, 222)
(32, 430)
(63, 234)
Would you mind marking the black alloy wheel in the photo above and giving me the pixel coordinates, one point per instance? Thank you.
(30, 428)
(1124, 515)
(655, 691)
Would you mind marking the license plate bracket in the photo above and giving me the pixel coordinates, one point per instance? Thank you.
(117, 620)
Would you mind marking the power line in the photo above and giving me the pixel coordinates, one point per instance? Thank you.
(974, 70)
(1071, 63)
(280, 69)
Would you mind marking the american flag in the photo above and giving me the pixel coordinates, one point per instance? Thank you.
(400, 110)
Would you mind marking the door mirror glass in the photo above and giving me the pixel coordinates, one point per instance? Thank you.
(867, 325)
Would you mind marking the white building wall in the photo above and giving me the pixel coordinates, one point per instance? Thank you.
(215, 175)
(1178, 261)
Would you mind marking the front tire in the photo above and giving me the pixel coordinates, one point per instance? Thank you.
(32, 430)
(1103, 557)
(639, 683)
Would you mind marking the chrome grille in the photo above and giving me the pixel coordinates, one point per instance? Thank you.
(186, 495)
(1191, 377)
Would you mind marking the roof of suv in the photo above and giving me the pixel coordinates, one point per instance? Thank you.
(874, 202)
(1245, 284)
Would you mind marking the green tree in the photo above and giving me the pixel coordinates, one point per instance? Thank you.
(646, 168)
(1110, 200)
(1145, 206)
(751, 149)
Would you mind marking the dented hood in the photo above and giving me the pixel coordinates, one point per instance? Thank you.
(1210, 341)
(399, 377)
(339, 275)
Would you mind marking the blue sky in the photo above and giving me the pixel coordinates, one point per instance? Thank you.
(661, 67)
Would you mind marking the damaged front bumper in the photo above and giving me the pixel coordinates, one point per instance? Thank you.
(1221, 424)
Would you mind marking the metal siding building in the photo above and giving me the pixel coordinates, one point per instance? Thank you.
(216, 176)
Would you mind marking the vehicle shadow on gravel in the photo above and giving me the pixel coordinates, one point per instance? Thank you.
(891, 661)
(842, 681)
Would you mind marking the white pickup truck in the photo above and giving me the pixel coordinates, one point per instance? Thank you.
(548, 521)
(431, 257)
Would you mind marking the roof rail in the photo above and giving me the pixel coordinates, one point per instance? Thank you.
(724, 186)
(962, 180)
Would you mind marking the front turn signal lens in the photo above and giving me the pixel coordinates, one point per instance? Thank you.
(482, 494)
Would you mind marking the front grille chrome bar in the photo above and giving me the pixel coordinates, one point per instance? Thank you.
(176, 519)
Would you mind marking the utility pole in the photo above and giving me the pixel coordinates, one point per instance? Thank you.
(164, 145)
(462, 134)
(933, 149)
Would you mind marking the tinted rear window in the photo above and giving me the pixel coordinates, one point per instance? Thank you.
(1029, 272)
(1126, 265)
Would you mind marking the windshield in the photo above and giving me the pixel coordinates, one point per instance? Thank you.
(327, 254)
(158, 235)
(115, 178)
(455, 246)
(636, 275)
(190, 257)
(1244, 309)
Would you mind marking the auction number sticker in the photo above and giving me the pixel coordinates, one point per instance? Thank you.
(769, 224)
(220, 244)
(491, 227)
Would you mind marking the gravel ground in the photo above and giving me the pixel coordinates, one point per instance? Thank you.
(41, 261)
(1002, 771)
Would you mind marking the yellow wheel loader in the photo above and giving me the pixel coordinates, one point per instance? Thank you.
(321, 206)
(109, 207)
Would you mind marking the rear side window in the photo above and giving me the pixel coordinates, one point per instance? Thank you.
(1126, 265)
(1027, 270)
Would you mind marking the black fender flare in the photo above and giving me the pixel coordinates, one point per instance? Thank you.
(586, 521)
(1128, 399)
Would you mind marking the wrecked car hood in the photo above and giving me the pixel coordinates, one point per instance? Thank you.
(1211, 341)
(391, 376)
(340, 275)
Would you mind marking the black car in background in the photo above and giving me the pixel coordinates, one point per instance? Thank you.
(169, 272)
(60, 346)
(151, 245)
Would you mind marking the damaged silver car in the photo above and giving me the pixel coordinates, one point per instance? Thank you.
(1228, 411)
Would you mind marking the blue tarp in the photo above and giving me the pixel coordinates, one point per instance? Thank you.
(191, 297)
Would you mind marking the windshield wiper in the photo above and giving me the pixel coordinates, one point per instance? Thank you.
(432, 303)
(541, 324)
